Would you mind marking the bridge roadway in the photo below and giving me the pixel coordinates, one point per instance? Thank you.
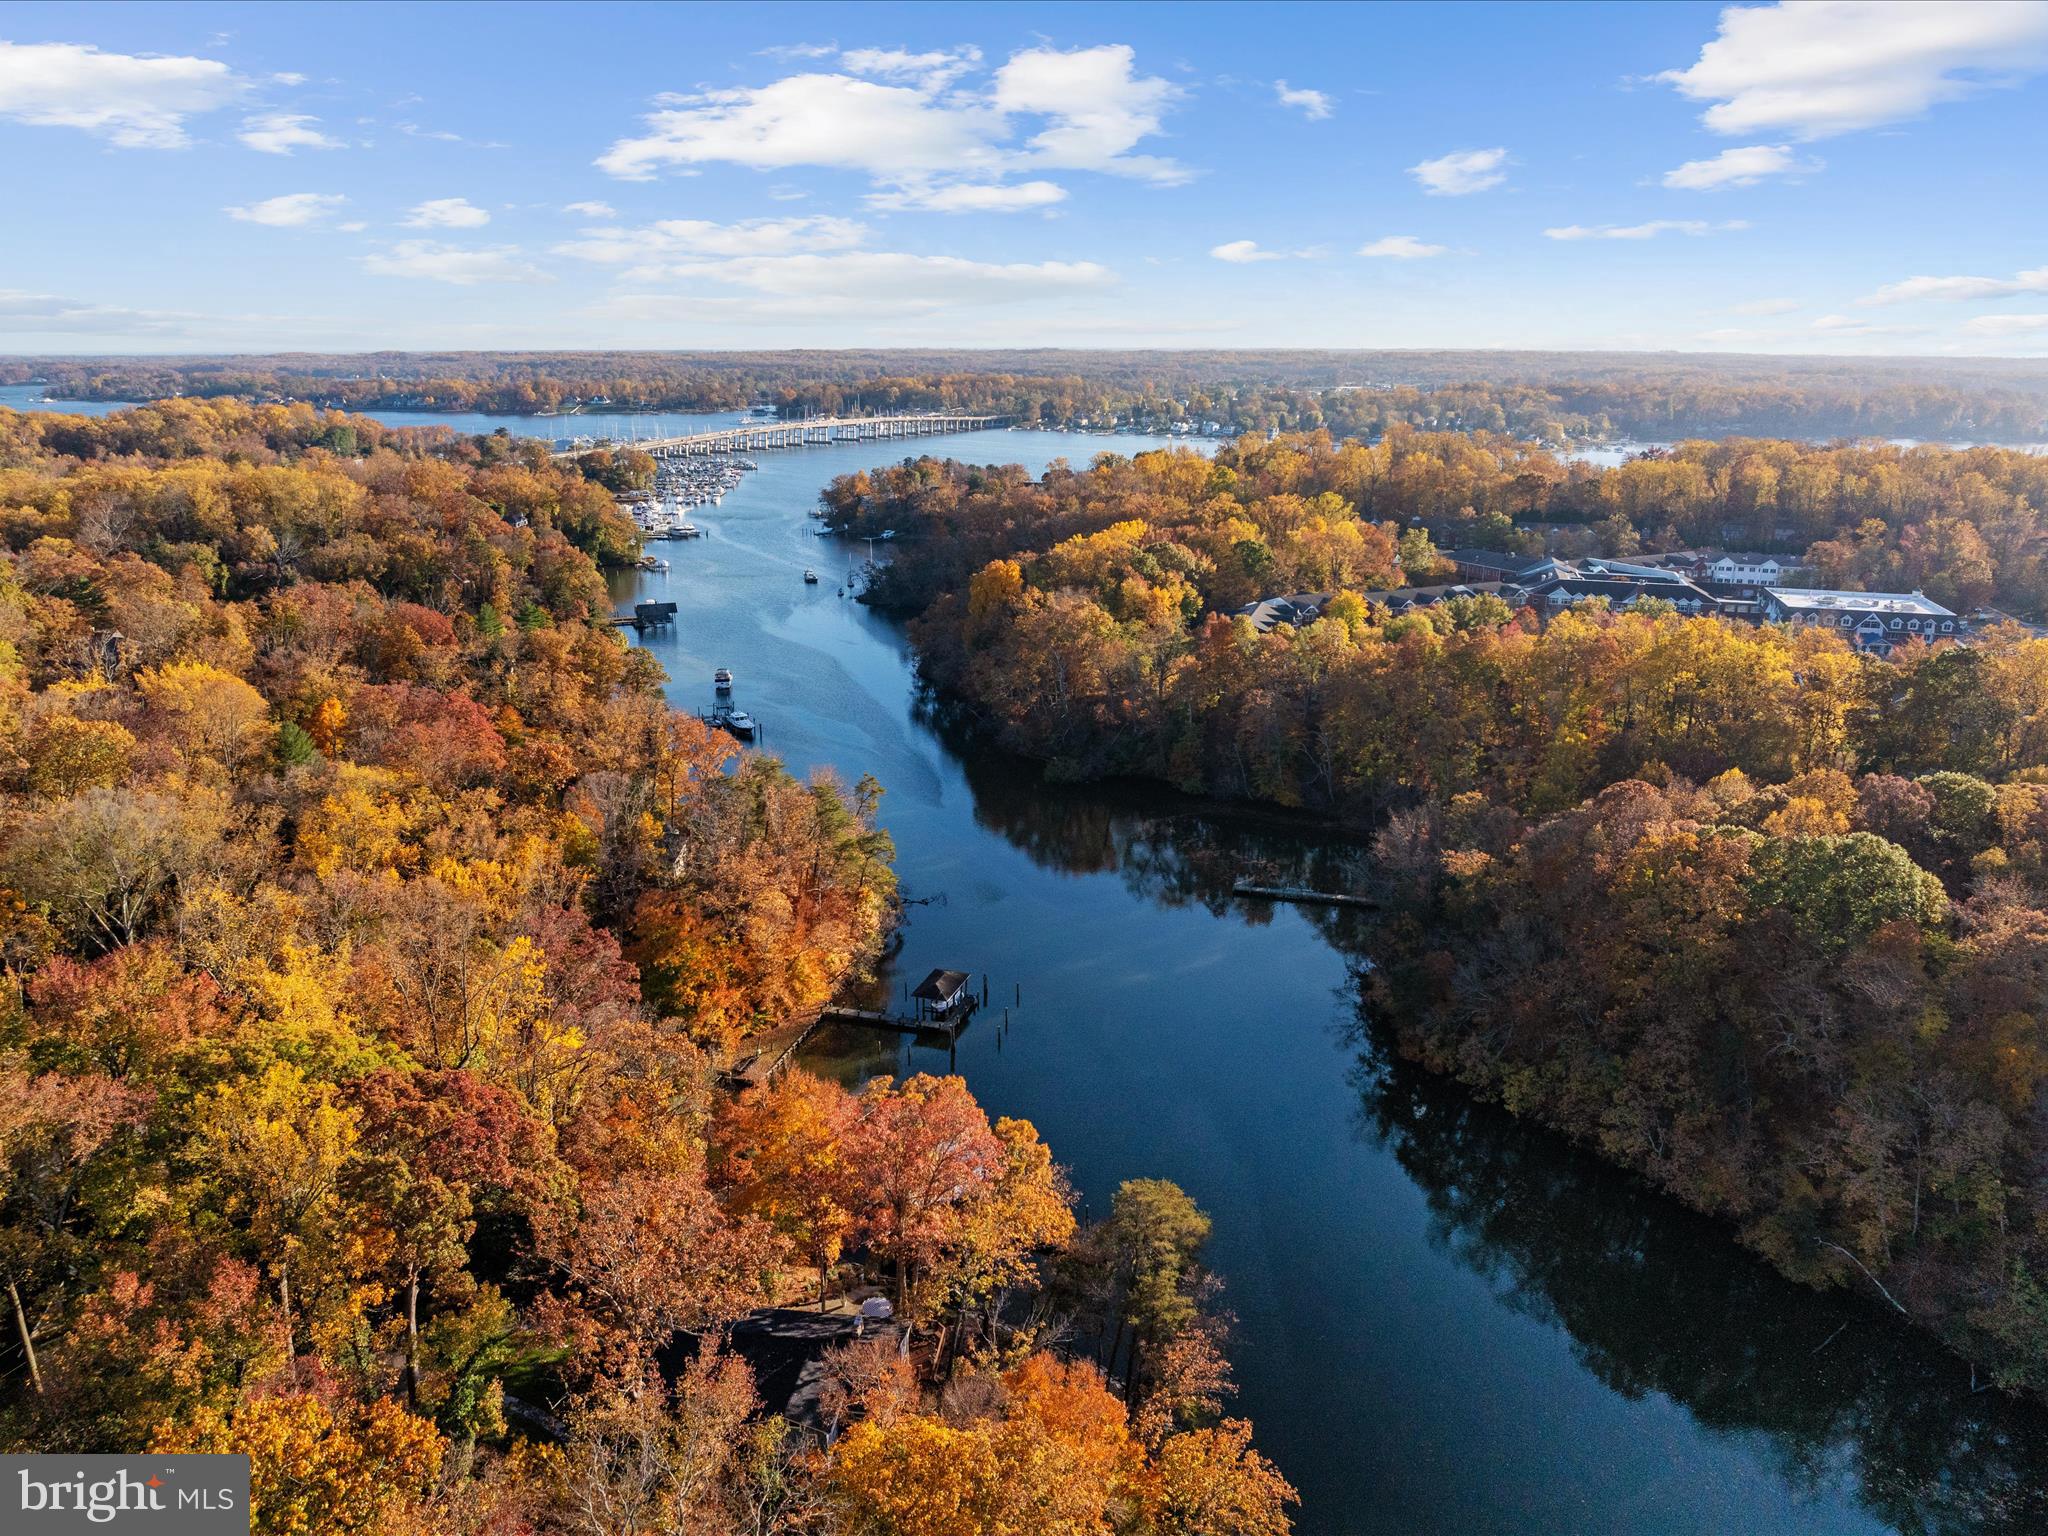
(803, 434)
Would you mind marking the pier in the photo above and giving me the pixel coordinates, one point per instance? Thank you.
(1298, 893)
(903, 1023)
(645, 616)
(818, 432)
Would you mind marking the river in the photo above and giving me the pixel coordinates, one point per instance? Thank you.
(1448, 1323)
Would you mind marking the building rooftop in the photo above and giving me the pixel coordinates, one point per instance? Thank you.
(940, 985)
(1813, 599)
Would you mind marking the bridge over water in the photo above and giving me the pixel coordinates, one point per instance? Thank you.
(754, 436)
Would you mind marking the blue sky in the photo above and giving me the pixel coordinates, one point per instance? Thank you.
(1824, 177)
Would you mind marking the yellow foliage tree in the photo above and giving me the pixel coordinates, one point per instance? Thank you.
(316, 1472)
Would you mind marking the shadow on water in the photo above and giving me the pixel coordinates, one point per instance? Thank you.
(1168, 849)
(1658, 1300)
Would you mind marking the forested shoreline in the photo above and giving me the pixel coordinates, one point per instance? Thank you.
(1746, 911)
(1544, 397)
(372, 935)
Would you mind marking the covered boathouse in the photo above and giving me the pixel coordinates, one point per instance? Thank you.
(940, 994)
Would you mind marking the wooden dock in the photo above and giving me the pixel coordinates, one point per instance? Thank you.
(905, 1024)
(762, 1056)
(1302, 894)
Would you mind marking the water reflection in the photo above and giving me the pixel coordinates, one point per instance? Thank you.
(1843, 1406)
(1169, 850)
(1656, 1299)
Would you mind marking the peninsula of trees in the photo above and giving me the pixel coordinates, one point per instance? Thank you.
(371, 933)
(1758, 915)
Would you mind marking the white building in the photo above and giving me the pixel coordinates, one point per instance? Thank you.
(1871, 621)
(1745, 570)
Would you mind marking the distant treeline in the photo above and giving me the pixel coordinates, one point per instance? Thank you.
(1546, 396)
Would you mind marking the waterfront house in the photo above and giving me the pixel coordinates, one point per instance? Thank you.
(1870, 621)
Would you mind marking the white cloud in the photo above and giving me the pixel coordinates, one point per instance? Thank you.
(1743, 167)
(446, 213)
(1851, 325)
(279, 133)
(2006, 325)
(294, 210)
(1646, 231)
(135, 101)
(40, 314)
(875, 283)
(835, 121)
(591, 210)
(1088, 108)
(1402, 248)
(1096, 109)
(1957, 288)
(454, 264)
(1824, 67)
(931, 70)
(1315, 105)
(415, 131)
(1462, 172)
(700, 238)
(970, 197)
(288, 77)
(1241, 252)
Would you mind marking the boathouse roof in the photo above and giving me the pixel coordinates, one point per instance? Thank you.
(940, 985)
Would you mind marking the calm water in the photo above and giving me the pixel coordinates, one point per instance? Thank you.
(29, 397)
(1449, 1324)
(620, 428)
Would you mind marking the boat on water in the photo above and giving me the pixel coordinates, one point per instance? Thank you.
(686, 531)
(734, 722)
(722, 679)
(810, 577)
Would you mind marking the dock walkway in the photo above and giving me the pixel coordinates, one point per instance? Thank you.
(1298, 893)
(907, 1024)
